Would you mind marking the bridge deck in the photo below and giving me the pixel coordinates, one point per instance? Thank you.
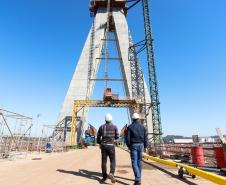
(82, 167)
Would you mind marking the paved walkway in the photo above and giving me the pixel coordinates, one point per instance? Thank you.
(82, 167)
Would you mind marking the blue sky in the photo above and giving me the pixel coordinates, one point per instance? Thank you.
(41, 41)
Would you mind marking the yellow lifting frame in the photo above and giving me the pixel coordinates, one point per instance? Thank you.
(98, 103)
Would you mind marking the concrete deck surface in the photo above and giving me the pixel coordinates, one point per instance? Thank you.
(82, 167)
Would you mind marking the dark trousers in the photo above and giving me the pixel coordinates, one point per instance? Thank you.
(108, 150)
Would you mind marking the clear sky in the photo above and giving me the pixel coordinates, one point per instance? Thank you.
(41, 41)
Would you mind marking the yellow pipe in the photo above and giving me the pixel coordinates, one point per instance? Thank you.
(194, 171)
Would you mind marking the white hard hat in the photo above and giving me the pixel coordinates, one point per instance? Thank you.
(108, 117)
(136, 116)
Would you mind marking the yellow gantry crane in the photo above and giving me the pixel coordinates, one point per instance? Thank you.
(107, 102)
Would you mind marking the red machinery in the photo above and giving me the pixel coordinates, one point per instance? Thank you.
(109, 96)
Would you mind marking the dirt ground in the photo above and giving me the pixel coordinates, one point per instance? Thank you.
(82, 167)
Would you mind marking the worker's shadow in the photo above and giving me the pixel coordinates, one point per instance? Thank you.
(89, 174)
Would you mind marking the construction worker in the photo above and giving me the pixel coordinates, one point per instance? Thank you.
(106, 136)
(136, 141)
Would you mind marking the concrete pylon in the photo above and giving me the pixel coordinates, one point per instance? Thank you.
(81, 87)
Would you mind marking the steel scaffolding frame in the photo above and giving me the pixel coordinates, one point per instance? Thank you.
(137, 80)
(153, 83)
(16, 140)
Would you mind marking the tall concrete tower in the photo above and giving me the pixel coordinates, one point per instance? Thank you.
(109, 18)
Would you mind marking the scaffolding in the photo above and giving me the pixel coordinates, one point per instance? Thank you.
(15, 131)
(60, 134)
(137, 78)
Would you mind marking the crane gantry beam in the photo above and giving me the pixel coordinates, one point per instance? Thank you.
(134, 104)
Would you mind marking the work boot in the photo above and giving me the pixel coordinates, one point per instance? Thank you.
(103, 180)
(111, 176)
(137, 183)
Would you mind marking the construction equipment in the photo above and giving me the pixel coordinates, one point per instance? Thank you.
(48, 147)
(90, 136)
(123, 131)
(78, 104)
(107, 94)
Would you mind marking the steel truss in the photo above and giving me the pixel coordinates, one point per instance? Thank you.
(15, 139)
(153, 84)
(137, 79)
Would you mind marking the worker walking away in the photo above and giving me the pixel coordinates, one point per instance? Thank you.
(106, 136)
(136, 141)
